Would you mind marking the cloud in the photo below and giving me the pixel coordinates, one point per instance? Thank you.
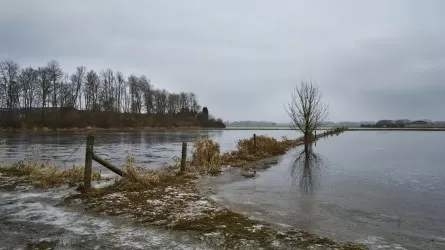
(242, 58)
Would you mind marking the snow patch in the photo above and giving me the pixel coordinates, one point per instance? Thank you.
(156, 202)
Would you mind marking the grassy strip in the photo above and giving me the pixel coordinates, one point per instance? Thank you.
(45, 175)
(208, 160)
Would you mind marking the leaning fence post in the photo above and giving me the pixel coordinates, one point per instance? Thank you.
(254, 143)
(88, 164)
(183, 156)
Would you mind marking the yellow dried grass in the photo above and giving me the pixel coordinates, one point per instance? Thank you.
(45, 175)
(206, 156)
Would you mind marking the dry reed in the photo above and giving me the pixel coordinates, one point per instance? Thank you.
(206, 156)
(45, 175)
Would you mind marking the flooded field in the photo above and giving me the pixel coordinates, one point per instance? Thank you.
(384, 189)
(37, 220)
(151, 149)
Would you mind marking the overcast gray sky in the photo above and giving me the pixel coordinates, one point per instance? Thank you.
(371, 59)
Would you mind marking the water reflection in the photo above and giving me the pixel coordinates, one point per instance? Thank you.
(150, 149)
(306, 170)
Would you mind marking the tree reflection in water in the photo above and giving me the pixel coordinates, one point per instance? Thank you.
(306, 170)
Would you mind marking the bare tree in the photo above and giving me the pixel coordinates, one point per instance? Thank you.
(107, 90)
(55, 75)
(9, 85)
(67, 92)
(147, 89)
(194, 106)
(135, 94)
(78, 80)
(173, 104)
(306, 109)
(48, 87)
(28, 80)
(183, 99)
(44, 88)
(91, 91)
(120, 85)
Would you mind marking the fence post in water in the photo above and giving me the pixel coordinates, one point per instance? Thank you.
(183, 156)
(254, 143)
(88, 164)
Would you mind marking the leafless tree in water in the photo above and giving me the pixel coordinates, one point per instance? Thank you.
(306, 109)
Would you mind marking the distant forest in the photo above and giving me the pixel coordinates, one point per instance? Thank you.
(49, 97)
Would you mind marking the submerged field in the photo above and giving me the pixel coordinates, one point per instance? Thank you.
(382, 189)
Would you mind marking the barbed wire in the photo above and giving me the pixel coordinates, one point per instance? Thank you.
(74, 151)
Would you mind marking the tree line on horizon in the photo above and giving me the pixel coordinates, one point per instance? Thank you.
(48, 88)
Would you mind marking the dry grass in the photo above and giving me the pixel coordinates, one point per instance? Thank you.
(206, 156)
(248, 152)
(265, 147)
(45, 175)
(139, 178)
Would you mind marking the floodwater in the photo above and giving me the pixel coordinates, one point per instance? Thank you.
(36, 220)
(150, 149)
(382, 188)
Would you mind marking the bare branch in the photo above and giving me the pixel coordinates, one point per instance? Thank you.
(306, 109)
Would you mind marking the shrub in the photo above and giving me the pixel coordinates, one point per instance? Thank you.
(206, 156)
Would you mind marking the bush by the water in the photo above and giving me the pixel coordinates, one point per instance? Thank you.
(206, 156)
(265, 146)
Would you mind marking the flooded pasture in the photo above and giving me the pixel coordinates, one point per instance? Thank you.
(37, 220)
(384, 189)
(151, 149)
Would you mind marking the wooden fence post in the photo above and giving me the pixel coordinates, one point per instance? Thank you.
(88, 164)
(254, 143)
(183, 156)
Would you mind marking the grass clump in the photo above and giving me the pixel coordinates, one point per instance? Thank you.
(45, 175)
(138, 178)
(206, 156)
(249, 151)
